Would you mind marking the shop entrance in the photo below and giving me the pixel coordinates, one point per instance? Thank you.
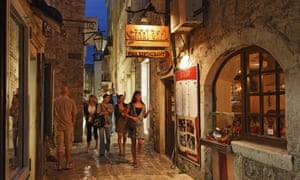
(170, 117)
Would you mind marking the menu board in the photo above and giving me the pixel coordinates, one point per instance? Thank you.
(187, 111)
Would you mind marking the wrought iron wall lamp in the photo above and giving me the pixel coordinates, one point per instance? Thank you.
(148, 8)
(99, 41)
(92, 36)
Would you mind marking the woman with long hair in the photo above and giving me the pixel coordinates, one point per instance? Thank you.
(121, 120)
(90, 109)
(136, 113)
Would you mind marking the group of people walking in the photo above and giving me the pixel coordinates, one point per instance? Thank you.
(128, 122)
(91, 109)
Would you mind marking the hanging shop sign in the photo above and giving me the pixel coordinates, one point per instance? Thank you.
(158, 54)
(147, 36)
(187, 110)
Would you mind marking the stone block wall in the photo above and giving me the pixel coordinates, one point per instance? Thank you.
(229, 26)
(65, 51)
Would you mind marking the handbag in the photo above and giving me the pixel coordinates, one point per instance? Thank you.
(131, 124)
(99, 121)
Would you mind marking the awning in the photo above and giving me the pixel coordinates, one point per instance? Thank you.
(48, 14)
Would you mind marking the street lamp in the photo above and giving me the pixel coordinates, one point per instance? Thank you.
(100, 42)
(95, 38)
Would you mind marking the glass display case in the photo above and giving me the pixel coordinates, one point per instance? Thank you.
(226, 127)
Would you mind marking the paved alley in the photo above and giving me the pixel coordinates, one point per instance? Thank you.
(89, 166)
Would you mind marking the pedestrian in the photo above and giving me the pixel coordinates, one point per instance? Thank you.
(121, 121)
(105, 108)
(64, 121)
(114, 102)
(90, 109)
(136, 113)
(14, 113)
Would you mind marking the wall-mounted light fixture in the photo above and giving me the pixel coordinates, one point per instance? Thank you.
(91, 34)
(98, 40)
(183, 57)
(149, 8)
(184, 62)
(142, 14)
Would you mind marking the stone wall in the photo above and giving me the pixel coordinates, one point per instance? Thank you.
(229, 26)
(65, 52)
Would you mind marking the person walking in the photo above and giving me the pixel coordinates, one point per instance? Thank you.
(64, 121)
(90, 109)
(105, 108)
(114, 102)
(136, 113)
(14, 113)
(121, 121)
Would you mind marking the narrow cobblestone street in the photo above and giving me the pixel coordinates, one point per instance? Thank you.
(89, 166)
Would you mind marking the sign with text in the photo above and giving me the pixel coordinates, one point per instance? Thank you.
(159, 54)
(147, 36)
(187, 110)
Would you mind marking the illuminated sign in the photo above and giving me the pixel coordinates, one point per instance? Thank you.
(148, 53)
(147, 36)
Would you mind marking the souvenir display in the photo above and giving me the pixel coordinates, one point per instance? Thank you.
(226, 127)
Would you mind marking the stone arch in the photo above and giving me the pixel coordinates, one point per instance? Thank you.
(279, 48)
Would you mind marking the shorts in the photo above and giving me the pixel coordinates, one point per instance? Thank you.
(64, 138)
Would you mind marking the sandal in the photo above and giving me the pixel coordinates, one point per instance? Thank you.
(69, 166)
(58, 166)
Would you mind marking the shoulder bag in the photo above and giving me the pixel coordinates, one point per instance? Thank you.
(131, 124)
(98, 120)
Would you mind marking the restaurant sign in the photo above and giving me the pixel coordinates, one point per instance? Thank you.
(147, 36)
(160, 54)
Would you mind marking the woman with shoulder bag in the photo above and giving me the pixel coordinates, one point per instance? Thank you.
(121, 121)
(105, 108)
(90, 109)
(136, 113)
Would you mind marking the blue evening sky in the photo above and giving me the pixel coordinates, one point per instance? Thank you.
(95, 8)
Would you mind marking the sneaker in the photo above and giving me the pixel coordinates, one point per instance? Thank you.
(69, 166)
(58, 167)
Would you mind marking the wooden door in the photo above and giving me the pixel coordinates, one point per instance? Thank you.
(170, 117)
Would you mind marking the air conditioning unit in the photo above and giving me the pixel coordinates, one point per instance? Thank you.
(186, 15)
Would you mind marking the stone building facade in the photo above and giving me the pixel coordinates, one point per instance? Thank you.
(65, 52)
(229, 28)
(130, 74)
(22, 48)
(122, 69)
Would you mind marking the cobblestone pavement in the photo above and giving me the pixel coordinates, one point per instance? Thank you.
(89, 166)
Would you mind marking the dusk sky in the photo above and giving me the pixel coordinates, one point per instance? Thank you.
(95, 8)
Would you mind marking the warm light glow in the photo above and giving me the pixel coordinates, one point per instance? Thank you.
(184, 63)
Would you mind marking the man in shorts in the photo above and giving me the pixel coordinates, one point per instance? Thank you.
(64, 121)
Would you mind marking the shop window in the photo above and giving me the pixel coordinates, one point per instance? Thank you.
(16, 106)
(250, 85)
